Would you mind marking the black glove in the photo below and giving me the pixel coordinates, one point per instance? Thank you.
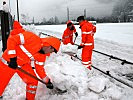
(41, 51)
(13, 63)
(49, 85)
(76, 34)
(79, 47)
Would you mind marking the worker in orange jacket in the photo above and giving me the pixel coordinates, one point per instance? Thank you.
(28, 51)
(88, 30)
(68, 33)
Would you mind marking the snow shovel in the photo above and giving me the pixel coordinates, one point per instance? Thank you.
(59, 91)
(75, 39)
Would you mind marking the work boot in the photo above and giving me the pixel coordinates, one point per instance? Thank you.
(89, 67)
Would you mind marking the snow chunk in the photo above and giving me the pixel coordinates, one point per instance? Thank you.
(69, 48)
(114, 93)
(97, 84)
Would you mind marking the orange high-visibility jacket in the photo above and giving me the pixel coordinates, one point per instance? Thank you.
(25, 45)
(88, 30)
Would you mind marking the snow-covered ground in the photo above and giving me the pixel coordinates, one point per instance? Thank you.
(83, 84)
(116, 32)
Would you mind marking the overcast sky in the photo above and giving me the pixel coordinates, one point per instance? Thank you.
(51, 8)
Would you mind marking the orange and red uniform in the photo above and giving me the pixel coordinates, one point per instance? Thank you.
(25, 46)
(88, 30)
(68, 35)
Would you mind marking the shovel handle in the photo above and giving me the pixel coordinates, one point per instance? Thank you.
(25, 72)
(75, 39)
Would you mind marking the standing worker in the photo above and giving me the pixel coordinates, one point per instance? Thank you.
(68, 33)
(88, 30)
(27, 51)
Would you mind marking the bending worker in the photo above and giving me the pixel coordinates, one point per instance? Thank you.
(28, 51)
(68, 33)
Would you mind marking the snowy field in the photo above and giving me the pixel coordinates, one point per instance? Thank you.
(81, 83)
(118, 32)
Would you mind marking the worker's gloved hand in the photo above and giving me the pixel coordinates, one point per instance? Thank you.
(13, 63)
(41, 51)
(49, 85)
(72, 43)
(76, 34)
(79, 47)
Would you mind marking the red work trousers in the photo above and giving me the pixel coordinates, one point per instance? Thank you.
(87, 56)
(6, 74)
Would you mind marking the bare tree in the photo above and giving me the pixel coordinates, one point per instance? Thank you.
(56, 20)
(122, 10)
(24, 18)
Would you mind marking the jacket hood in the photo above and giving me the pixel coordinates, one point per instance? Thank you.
(69, 22)
(17, 28)
(16, 25)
